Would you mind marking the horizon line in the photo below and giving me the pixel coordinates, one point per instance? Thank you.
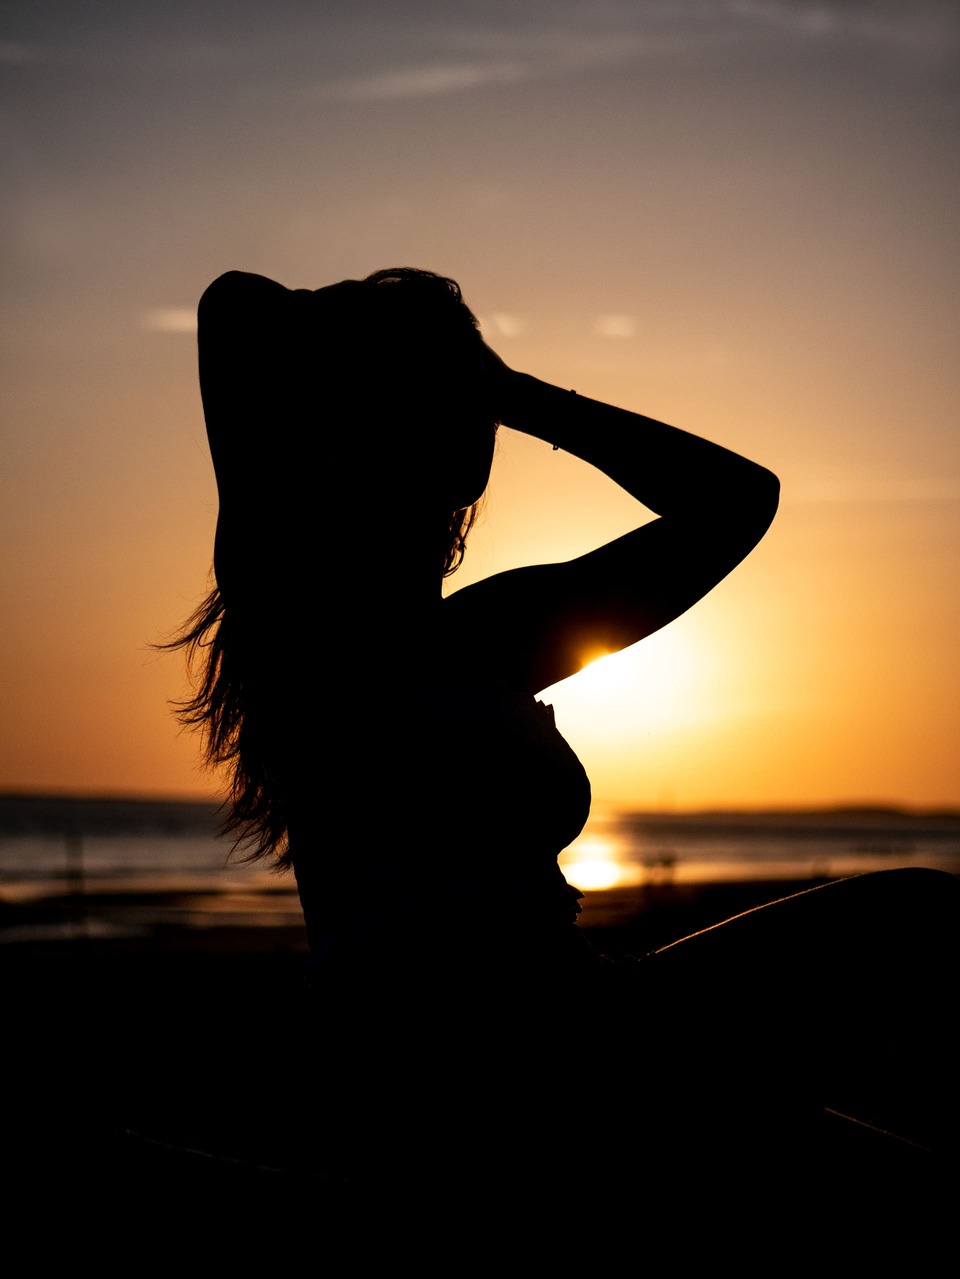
(903, 808)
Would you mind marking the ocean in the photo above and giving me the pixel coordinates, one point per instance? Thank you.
(94, 866)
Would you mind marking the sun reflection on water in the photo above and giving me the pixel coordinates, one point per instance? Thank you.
(595, 862)
(593, 874)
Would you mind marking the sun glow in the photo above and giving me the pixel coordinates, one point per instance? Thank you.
(600, 676)
(662, 680)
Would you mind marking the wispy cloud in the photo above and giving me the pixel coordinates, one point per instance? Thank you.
(922, 27)
(615, 326)
(377, 52)
(797, 15)
(420, 82)
(461, 57)
(484, 58)
(503, 324)
(169, 319)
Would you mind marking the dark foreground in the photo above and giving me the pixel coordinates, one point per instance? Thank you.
(150, 1108)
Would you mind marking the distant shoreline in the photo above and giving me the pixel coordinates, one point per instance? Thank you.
(29, 812)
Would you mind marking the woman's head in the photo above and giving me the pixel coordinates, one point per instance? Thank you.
(358, 415)
(339, 420)
(428, 407)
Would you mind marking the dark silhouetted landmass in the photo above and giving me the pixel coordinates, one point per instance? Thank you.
(38, 813)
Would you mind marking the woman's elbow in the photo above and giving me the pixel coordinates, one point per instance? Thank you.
(769, 486)
(235, 296)
(760, 506)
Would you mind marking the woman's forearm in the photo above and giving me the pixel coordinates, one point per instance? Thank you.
(669, 470)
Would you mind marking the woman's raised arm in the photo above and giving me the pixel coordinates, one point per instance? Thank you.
(538, 625)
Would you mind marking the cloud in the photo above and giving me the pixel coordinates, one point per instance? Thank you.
(169, 319)
(460, 57)
(484, 58)
(812, 19)
(380, 52)
(503, 324)
(615, 326)
(420, 82)
(924, 27)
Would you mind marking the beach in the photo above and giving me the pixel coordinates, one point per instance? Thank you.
(155, 1033)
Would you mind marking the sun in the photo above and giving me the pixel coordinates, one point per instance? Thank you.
(601, 675)
(661, 681)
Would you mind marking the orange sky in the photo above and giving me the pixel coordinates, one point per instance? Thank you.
(739, 218)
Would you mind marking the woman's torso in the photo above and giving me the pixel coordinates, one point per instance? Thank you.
(443, 808)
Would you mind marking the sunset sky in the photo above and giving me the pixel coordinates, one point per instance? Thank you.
(739, 217)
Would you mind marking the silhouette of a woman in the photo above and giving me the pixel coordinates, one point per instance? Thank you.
(386, 741)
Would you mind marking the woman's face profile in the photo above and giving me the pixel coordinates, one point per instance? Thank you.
(480, 445)
(460, 433)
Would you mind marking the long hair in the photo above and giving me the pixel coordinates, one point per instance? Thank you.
(231, 705)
